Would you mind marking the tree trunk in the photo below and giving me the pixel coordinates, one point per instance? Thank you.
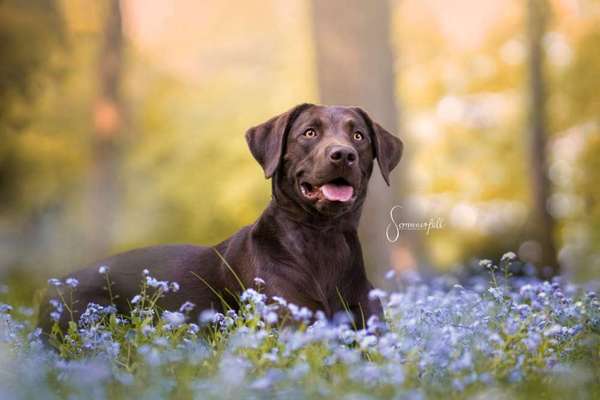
(543, 222)
(108, 121)
(355, 67)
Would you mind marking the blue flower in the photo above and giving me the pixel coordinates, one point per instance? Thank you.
(187, 307)
(54, 282)
(72, 282)
(174, 319)
(508, 257)
(136, 299)
(377, 294)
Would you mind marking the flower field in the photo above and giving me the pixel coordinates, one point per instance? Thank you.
(487, 336)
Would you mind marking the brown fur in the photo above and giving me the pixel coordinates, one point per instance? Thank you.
(305, 251)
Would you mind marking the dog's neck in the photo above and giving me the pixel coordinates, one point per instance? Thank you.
(298, 219)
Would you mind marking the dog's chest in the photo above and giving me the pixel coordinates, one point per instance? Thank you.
(326, 257)
(312, 266)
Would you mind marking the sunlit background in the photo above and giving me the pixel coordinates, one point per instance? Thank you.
(122, 124)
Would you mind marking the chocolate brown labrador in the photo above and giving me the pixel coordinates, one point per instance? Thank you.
(304, 246)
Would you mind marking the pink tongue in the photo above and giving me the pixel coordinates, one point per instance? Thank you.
(337, 192)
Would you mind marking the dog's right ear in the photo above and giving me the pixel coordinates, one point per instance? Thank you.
(387, 147)
(267, 140)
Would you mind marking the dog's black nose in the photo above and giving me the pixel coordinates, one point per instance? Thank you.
(342, 154)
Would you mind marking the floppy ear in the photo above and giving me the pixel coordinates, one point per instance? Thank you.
(267, 140)
(387, 147)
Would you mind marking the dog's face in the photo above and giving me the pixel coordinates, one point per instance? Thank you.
(329, 158)
(322, 157)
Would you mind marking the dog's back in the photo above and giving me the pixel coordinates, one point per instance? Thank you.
(121, 277)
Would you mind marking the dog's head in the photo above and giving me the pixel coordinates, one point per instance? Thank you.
(321, 157)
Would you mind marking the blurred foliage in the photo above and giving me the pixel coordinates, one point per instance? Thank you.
(464, 112)
(578, 104)
(29, 32)
(197, 76)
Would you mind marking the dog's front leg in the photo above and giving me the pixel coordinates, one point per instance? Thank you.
(366, 307)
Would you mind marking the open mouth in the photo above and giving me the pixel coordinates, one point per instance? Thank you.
(336, 190)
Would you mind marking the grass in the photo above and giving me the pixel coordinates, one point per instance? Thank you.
(493, 336)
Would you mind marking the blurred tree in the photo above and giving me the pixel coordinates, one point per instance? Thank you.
(355, 66)
(190, 100)
(29, 31)
(543, 222)
(107, 138)
(580, 83)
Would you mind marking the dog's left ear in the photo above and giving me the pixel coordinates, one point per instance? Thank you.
(387, 147)
(267, 140)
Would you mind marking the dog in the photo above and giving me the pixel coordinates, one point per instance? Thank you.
(304, 246)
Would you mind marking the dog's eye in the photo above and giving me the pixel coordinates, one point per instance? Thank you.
(311, 133)
(358, 136)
